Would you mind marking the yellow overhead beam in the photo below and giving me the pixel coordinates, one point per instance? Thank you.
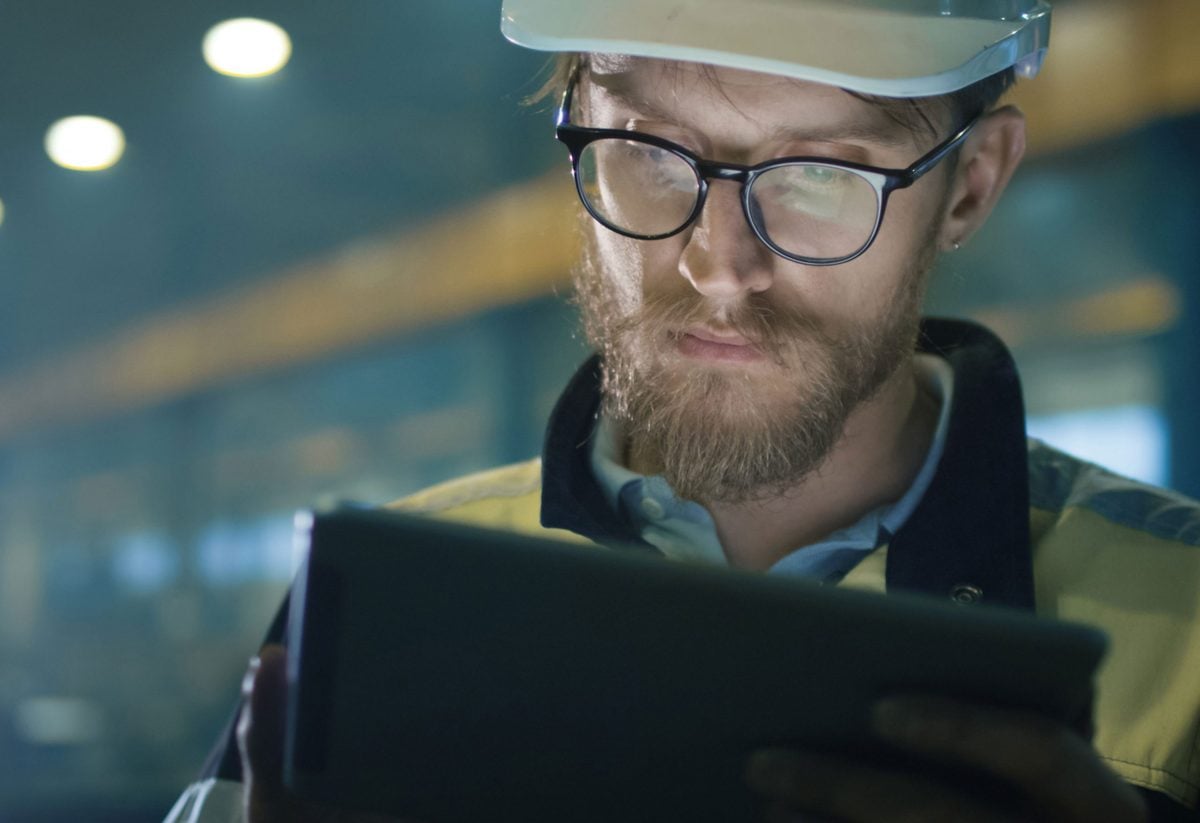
(507, 248)
(1146, 305)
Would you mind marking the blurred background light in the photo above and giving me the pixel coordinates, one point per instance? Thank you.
(58, 721)
(145, 561)
(85, 143)
(235, 552)
(1132, 440)
(1, 212)
(247, 47)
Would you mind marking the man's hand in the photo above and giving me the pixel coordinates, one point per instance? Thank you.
(260, 741)
(1055, 775)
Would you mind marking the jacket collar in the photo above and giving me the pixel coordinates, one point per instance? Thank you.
(571, 496)
(969, 536)
(970, 532)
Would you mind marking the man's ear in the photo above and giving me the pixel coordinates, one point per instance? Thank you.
(986, 163)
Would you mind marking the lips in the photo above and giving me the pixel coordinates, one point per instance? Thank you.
(722, 338)
(702, 343)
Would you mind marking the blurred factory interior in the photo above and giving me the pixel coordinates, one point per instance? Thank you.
(344, 281)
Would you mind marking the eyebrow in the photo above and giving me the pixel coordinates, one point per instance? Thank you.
(854, 132)
(846, 133)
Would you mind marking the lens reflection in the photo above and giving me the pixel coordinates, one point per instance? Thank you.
(816, 211)
(637, 187)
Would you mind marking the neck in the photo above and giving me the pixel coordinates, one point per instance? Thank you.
(875, 460)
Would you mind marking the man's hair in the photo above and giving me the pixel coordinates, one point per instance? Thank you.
(916, 114)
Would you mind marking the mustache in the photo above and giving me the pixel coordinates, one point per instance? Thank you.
(769, 327)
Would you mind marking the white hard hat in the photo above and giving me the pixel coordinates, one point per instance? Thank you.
(896, 48)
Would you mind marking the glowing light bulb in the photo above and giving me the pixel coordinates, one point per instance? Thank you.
(247, 47)
(85, 143)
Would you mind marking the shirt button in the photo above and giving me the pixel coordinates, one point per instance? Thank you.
(652, 508)
(965, 594)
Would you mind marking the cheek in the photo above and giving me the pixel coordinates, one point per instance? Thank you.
(910, 223)
(901, 251)
(638, 269)
(619, 264)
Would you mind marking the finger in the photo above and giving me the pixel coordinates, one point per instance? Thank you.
(260, 731)
(804, 784)
(1056, 769)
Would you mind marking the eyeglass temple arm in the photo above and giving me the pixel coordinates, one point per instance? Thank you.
(935, 156)
(564, 107)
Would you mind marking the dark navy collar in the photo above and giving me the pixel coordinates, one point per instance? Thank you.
(571, 497)
(969, 536)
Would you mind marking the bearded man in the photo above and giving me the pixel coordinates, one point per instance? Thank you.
(765, 187)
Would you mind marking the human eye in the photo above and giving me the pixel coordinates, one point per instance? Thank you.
(662, 167)
(819, 176)
(808, 188)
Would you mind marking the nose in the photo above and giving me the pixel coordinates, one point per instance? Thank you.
(723, 258)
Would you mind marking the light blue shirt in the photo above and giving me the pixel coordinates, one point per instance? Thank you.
(684, 530)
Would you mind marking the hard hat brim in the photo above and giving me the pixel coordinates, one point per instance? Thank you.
(890, 53)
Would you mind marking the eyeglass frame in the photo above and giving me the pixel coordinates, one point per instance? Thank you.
(883, 180)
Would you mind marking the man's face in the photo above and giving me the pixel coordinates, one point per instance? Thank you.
(738, 369)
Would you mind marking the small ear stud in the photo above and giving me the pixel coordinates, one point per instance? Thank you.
(957, 245)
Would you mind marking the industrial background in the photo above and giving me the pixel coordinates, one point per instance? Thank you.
(345, 281)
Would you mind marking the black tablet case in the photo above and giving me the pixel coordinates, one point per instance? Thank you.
(446, 673)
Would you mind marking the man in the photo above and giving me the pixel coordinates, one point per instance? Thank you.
(768, 185)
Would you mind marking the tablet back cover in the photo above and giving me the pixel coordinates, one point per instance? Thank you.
(445, 673)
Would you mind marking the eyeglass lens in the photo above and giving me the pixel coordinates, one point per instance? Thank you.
(637, 187)
(807, 209)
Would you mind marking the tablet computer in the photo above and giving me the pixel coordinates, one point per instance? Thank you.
(448, 674)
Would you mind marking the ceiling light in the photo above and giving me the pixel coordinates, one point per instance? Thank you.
(85, 143)
(247, 47)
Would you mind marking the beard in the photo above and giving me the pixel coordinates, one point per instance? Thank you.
(728, 433)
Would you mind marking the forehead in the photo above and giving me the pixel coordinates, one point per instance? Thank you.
(699, 95)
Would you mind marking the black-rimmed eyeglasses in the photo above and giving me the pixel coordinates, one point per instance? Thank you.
(812, 210)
